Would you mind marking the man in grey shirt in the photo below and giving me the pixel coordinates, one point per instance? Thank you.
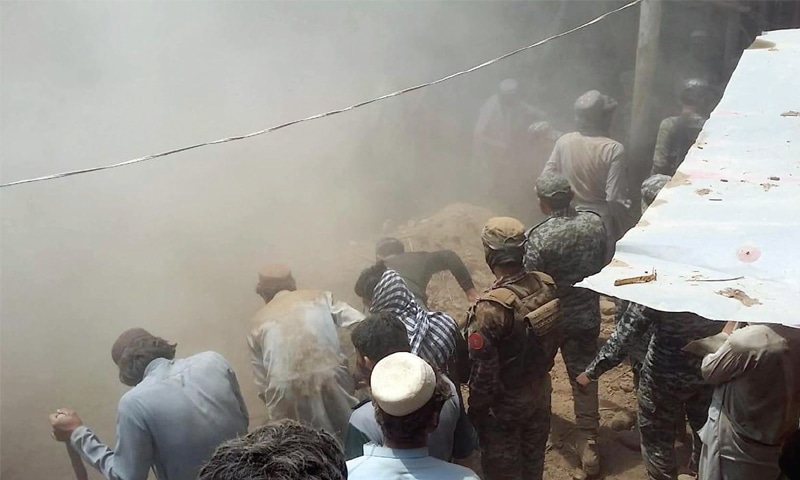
(379, 336)
(173, 418)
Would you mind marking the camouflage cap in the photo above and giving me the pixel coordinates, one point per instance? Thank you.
(550, 185)
(652, 185)
(503, 232)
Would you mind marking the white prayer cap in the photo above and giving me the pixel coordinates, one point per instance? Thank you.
(402, 383)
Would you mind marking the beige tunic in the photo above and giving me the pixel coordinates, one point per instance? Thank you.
(756, 402)
(298, 366)
(595, 168)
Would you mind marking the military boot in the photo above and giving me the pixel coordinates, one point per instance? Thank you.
(590, 460)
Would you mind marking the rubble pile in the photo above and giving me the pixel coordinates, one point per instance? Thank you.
(456, 227)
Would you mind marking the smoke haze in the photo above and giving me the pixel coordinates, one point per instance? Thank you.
(173, 245)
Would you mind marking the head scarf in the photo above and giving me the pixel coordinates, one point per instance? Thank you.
(432, 335)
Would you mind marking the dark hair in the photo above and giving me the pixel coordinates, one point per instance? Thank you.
(136, 357)
(368, 280)
(789, 460)
(694, 93)
(387, 246)
(380, 335)
(284, 450)
(267, 289)
(509, 256)
(411, 427)
(559, 201)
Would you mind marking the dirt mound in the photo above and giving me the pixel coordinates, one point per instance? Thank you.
(457, 227)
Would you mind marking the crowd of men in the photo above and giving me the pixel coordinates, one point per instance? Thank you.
(737, 385)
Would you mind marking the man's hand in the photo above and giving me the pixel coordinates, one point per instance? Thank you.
(64, 422)
(583, 380)
(472, 295)
(729, 327)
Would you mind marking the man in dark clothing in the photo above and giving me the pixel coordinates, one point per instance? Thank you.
(417, 268)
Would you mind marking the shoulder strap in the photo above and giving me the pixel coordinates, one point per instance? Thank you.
(505, 296)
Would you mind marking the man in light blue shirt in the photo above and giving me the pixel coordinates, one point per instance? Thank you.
(408, 396)
(375, 338)
(173, 418)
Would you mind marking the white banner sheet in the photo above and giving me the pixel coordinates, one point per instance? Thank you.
(724, 235)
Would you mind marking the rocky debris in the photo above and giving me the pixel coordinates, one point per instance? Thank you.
(622, 421)
(457, 227)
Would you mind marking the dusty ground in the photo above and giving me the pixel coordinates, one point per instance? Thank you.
(457, 227)
(219, 325)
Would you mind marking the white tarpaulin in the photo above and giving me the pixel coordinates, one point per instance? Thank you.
(724, 235)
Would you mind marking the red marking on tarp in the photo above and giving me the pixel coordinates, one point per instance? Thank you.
(748, 253)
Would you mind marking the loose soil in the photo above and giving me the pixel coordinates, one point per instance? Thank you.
(457, 227)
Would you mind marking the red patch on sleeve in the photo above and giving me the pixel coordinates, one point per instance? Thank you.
(476, 341)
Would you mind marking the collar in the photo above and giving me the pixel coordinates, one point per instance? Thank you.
(502, 281)
(362, 403)
(153, 365)
(405, 453)
(564, 212)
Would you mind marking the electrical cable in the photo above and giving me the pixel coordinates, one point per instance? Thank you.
(321, 115)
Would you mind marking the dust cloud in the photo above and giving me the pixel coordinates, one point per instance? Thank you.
(173, 245)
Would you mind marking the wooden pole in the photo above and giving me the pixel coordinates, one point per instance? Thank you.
(646, 61)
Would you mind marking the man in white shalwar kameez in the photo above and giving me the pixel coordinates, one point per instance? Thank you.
(298, 366)
(756, 402)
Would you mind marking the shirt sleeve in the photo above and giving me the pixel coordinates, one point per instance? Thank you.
(616, 182)
(633, 324)
(533, 253)
(257, 362)
(661, 153)
(237, 392)
(131, 458)
(354, 442)
(725, 365)
(343, 314)
(553, 164)
(485, 375)
(449, 260)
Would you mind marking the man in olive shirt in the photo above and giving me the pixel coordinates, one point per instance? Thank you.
(417, 268)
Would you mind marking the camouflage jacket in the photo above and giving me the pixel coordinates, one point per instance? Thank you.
(675, 137)
(489, 337)
(570, 246)
(614, 350)
(666, 361)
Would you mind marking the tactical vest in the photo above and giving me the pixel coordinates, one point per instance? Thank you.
(528, 349)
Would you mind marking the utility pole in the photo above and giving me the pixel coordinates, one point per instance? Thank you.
(646, 61)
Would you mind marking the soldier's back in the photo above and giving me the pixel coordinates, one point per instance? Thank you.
(671, 332)
(569, 247)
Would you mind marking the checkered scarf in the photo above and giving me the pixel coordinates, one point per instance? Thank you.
(432, 335)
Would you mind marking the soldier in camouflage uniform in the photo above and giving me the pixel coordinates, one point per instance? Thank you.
(676, 135)
(512, 337)
(626, 313)
(569, 246)
(670, 380)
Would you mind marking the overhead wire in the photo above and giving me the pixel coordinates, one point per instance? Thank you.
(325, 114)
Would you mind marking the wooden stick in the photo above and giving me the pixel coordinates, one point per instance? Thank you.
(77, 463)
(639, 279)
